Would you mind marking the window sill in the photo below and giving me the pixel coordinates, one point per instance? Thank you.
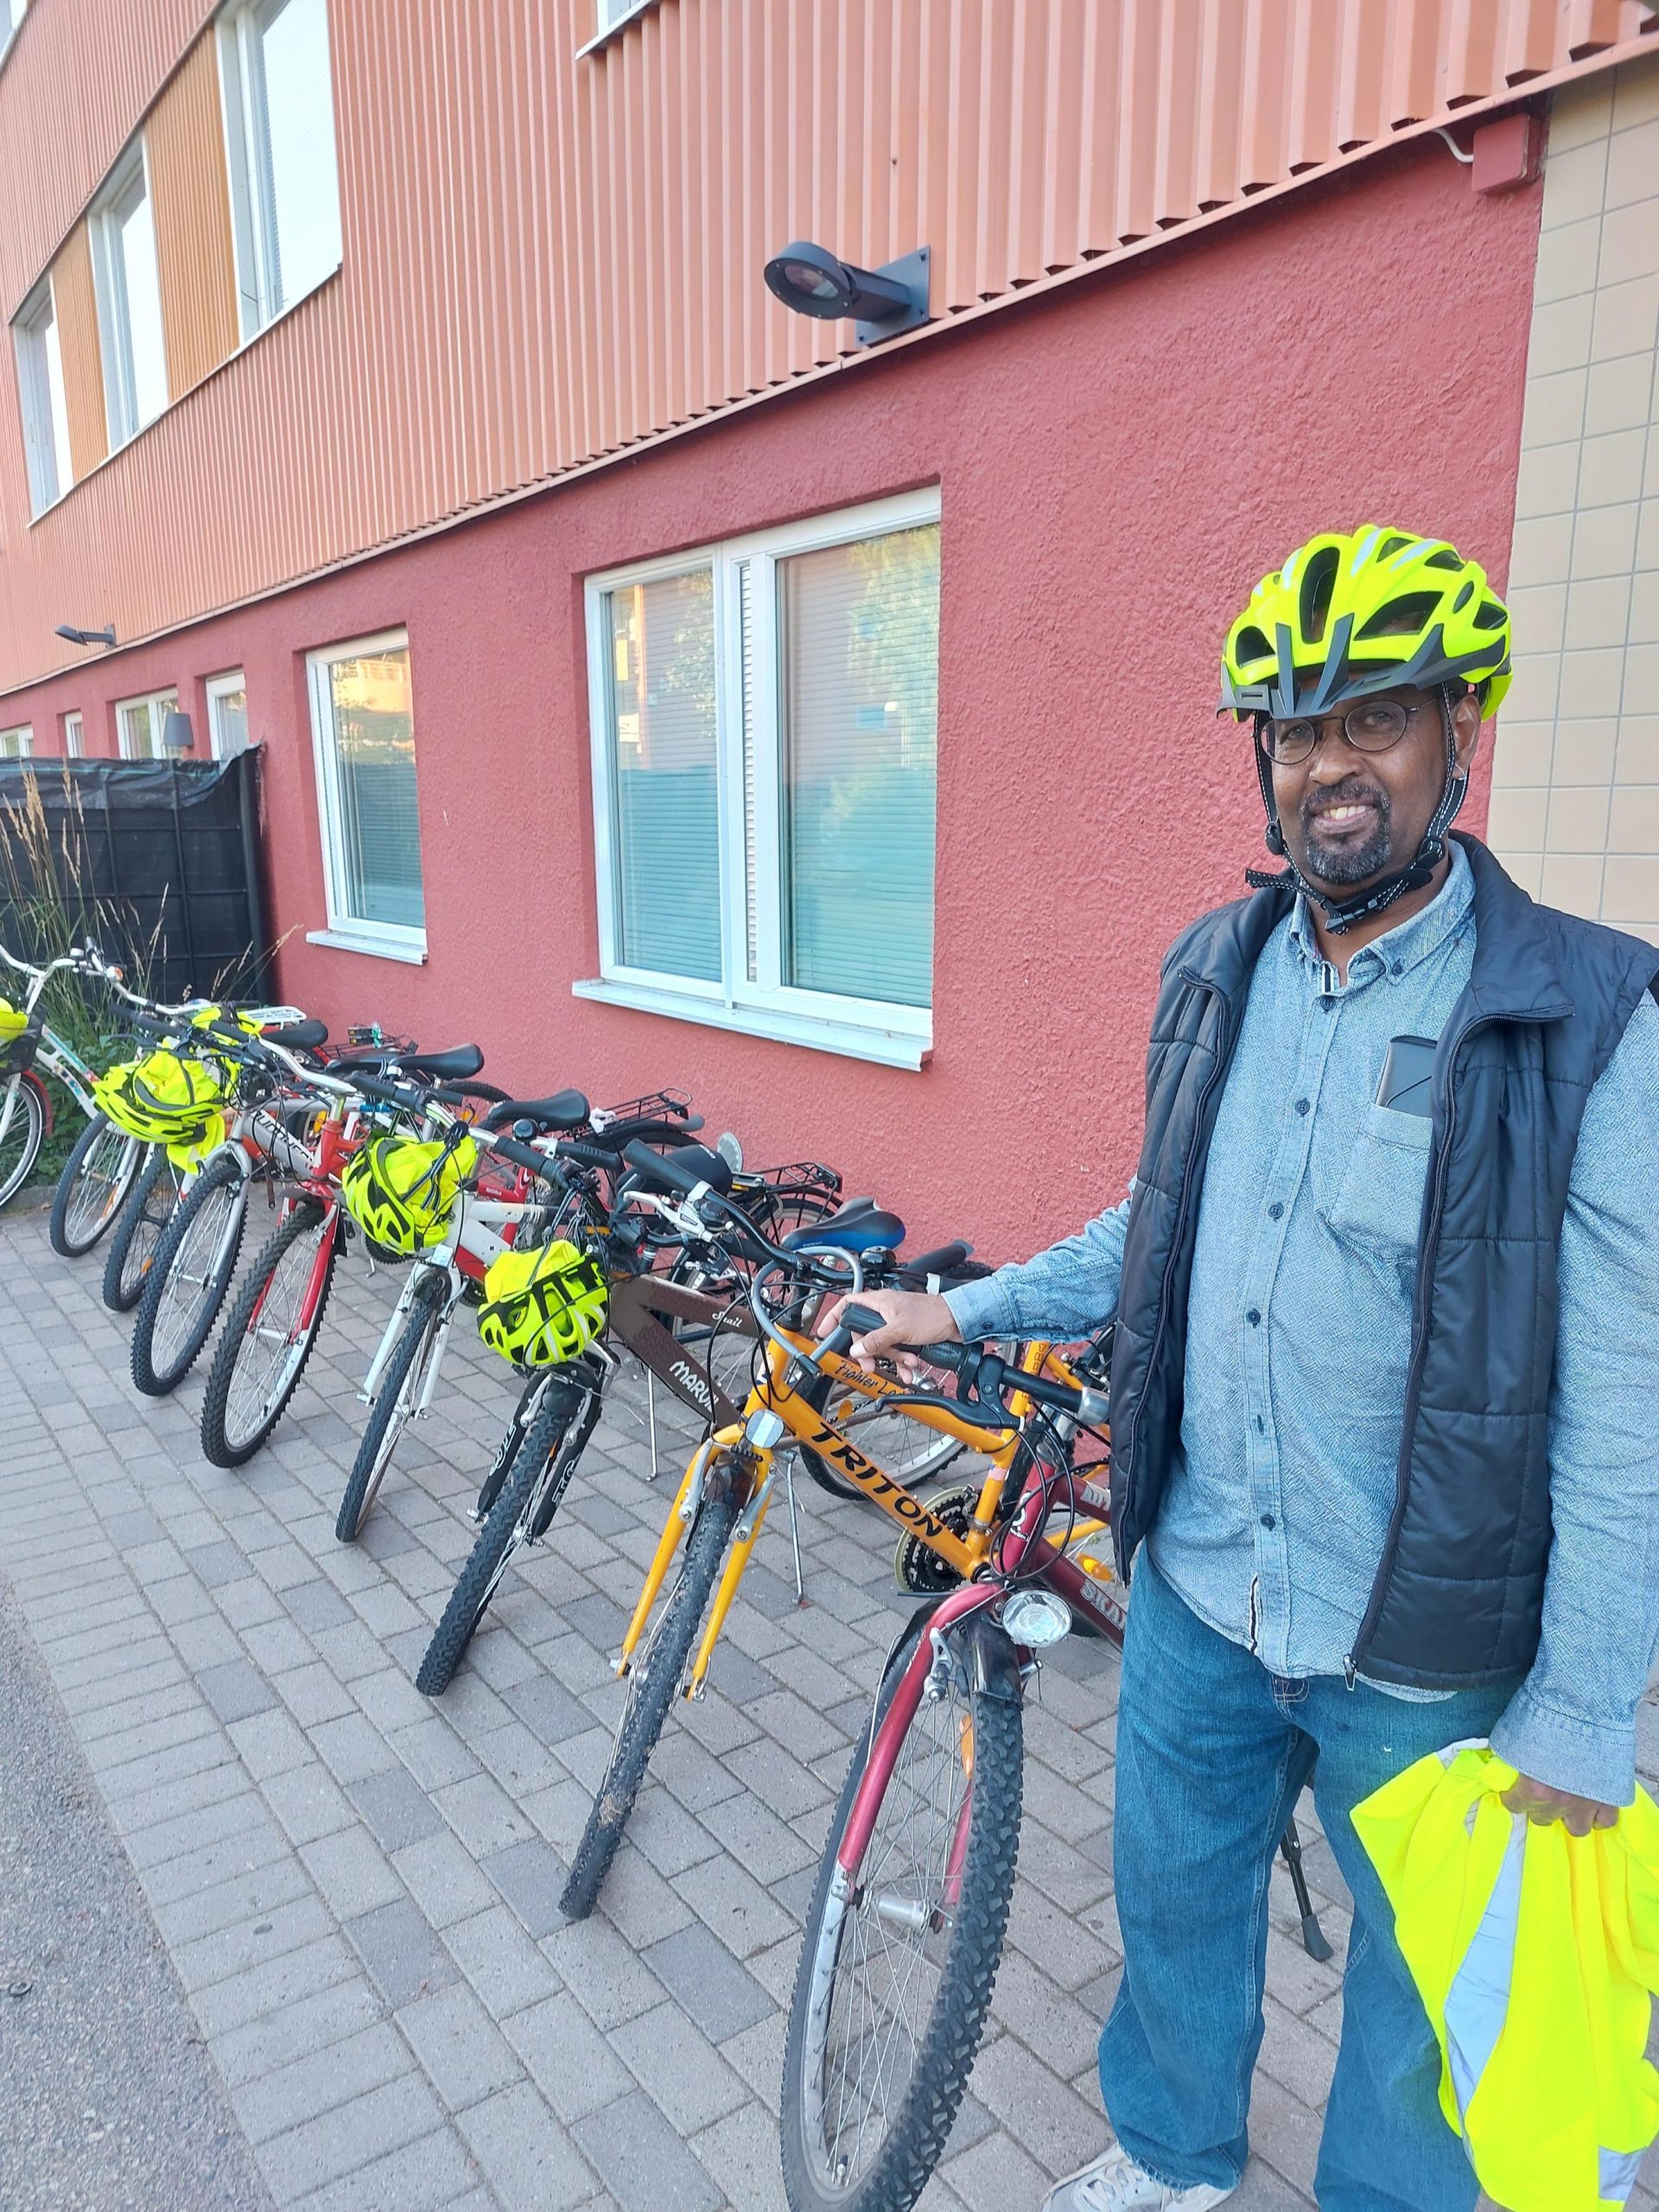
(889, 1048)
(376, 948)
(615, 29)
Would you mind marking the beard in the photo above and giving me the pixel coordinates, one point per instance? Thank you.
(1341, 860)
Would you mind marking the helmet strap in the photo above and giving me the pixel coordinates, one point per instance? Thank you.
(1341, 914)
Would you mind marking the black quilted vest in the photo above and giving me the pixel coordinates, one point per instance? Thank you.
(1459, 1587)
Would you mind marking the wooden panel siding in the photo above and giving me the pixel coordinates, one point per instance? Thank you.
(551, 258)
(184, 142)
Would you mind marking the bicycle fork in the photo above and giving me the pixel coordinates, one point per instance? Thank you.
(688, 1499)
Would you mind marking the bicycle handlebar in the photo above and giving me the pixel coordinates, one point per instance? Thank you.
(982, 1373)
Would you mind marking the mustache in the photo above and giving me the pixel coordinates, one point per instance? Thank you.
(1353, 791)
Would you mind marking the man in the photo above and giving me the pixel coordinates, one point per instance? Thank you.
(1385, 1381)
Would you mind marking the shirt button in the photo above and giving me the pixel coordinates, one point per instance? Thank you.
(1253, 1317)
(1302, 1105)
(1398, 968)
(1261, 1426)
(1266, 1520)
(1275, 1212)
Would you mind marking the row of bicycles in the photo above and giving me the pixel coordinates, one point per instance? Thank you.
(590, 1244)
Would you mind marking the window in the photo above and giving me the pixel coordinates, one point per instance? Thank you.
(74, 741)
(363, 723)
(609, 17)
(46, 416)
(138, 725)
(129, 302)
(764, 717)
(227, 714)
(279, 134)
(16, 744)
(11, 14)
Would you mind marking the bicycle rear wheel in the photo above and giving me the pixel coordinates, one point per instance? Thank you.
(524, 1505)
(269, 1336)
(195, 1258)
(394, 1404)
(22, 1110)
(97, 1178)
(898, 1962)
(659, 1667)
(145, 1215)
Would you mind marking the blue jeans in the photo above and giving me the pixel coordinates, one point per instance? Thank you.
(1212, 1752)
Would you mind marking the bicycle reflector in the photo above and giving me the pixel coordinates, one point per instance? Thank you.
(544, 1306)
(163, 1099)
(401, 1191)
(13, 1021)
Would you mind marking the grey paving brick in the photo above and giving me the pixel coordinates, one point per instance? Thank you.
(690, 2082)
(403, 1955)
(340, 2142)
(483, 1814)
(530, 1876)
(397, 1809)
(465, 2056)
(216, 1563)
(524, 2153)
(574, 2066)
(316, 1603)
(443, 1879)
(273, 1986)
(308, 1802)
(740, 2152)
(435, 2173)
(717, 1992)
(308, 2025)
(351, 1871)
(642, 2160)
(267, 1932)
(235, 1689)
(601, 1971)
(499, 1960)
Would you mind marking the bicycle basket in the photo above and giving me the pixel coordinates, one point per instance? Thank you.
(163, 1099)
(544, 1305)
(401, 1191)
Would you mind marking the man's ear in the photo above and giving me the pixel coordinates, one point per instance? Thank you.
(1466, 724)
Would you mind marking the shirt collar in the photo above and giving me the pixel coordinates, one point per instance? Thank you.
(1406, 943)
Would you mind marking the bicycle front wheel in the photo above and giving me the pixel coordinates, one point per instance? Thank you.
(897, 1960)
(524, 1505)
(96, 1177)
(269, 1336)
(394, 1404)
(22, 1132)
(145, 1215)
(657, 1671)
(195, 1258)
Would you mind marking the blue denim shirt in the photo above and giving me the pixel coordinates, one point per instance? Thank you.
(1299, 1336)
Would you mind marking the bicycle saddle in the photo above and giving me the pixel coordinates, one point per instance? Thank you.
(616, 1136)
(297, 1036)
(565, 1110)
(859, 1227)
(441, 1067)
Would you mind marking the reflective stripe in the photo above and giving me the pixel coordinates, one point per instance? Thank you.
(1478, 1998)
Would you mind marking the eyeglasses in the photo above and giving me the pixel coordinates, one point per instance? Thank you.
(1370, 726)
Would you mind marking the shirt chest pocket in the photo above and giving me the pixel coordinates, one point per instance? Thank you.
(1379, 1200)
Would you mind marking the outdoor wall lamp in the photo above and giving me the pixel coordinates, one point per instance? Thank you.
(177, 736)
(104, 637)
(882, 302)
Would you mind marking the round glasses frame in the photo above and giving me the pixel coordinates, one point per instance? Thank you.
(1370, 726)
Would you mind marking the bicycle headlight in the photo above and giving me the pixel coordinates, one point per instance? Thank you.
(1037, 1618)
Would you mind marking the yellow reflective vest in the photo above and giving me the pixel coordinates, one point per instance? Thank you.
(1537, 1956)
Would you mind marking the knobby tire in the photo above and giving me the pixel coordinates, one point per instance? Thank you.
(146, 1213)
(221, 1377)
(219, 1177)
(388, 1417)
(100, 1145)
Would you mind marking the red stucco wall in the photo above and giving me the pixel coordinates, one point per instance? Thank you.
(1117, 465)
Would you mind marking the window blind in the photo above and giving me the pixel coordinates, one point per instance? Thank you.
(664, 741)
(858, 630)
(380, 821)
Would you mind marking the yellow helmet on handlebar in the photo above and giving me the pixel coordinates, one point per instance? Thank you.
(544, 1306)
(13, 1021)
(164, 1098)
(401, 1191)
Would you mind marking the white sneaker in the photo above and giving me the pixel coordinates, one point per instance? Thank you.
(1115, 2184)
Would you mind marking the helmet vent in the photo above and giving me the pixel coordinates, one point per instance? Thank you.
(1318, 582)
(1490, 616)
(1446, 558)
(1390, 545)
(1252, 645)
(1401, 618)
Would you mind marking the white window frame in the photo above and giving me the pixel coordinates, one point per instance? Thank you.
(25, 732)
(74, 735)
(114, 310)
(611, 16)
(386, 940)
(253, 215)
(17, 10)
(220, 688)
(158, 703)
(45, 405)
(870, 1029)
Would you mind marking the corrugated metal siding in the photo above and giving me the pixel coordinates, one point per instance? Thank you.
(549, 259)
(75, 304)
(184, 142)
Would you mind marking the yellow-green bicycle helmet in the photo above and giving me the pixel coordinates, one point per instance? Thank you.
(401, 1191)
(165, 1098)
(542, 1305)
(1349, 614)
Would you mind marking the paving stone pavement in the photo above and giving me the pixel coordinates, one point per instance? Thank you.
(358, 1887)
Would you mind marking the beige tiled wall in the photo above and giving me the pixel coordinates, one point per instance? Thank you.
(1575, 789)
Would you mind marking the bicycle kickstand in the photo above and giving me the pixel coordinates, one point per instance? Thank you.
(794, 1534)
(1314, 1939)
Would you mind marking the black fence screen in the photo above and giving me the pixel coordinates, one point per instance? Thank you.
(157, 859)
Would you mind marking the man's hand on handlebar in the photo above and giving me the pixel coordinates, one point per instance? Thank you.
(913, 1317)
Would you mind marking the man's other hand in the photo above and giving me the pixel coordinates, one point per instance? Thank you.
(1544, 1806)
(909, 1317)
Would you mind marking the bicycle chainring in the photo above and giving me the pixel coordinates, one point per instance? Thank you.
(922, 1572)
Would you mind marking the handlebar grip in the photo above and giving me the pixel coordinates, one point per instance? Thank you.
(394, 1094)
(525, 1155)
(587, 1155)
(657, 1167)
